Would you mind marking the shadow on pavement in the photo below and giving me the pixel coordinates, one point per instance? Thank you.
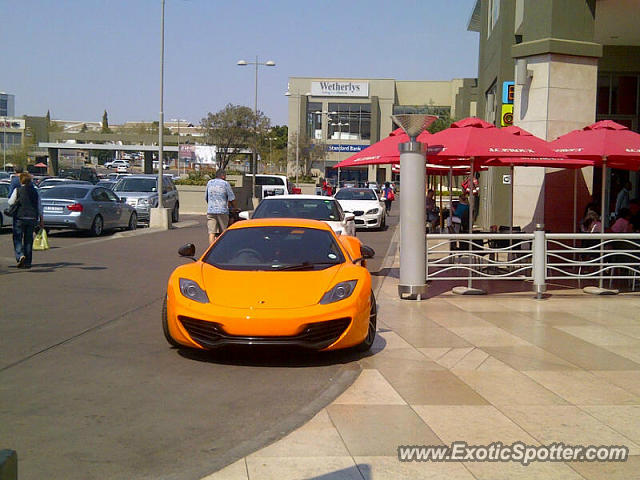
(261, 356)
(51, 267)
(357, 471)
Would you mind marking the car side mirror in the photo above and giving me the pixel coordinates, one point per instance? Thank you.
(367, 252)
(187, 250)
(244, 215)
(348, 217)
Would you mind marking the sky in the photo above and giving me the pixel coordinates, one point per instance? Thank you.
(77, 58)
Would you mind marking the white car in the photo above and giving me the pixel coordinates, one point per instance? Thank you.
(5, 221)
(365, 205)
(117, 163)
(312, 207)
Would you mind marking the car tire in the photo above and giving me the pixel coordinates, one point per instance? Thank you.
(175, 213)
(97, 227)
(371, 332)
(133, 222)
(165, 325)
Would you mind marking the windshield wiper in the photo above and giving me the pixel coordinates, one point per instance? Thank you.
(301, 266)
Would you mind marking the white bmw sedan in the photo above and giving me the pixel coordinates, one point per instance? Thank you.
(364, 204)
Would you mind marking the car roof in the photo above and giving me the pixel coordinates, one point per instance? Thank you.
(143, 175)
(282, 222)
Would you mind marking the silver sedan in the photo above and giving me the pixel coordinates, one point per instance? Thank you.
(86, 207)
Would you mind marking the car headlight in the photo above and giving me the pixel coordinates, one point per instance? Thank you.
(143, 202)
(373, 211)
(339, 292)
(192, 291)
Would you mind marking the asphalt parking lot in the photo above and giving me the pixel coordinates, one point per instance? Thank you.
(90, 389)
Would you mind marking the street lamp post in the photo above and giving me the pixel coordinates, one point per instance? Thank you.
(243, 63)
(4, 145)
(159, 216)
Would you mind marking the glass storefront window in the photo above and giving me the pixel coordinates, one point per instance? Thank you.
(349, 121)
(314, 120)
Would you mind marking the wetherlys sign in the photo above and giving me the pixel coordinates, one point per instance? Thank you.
(339, 89)
(346, 148)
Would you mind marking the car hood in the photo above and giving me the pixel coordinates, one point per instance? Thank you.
(353, 205)
(136, 194)
(289, 289)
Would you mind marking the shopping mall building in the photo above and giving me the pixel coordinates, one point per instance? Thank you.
(549, 66)
(346, 115)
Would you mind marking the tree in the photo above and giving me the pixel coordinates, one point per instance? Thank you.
(232, 130)
(310, 151)
(272, 148)
(442, 123)
(48, 117)
(84, 128)
(105, 123)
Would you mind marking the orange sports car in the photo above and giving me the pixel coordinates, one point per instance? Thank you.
(273, 281)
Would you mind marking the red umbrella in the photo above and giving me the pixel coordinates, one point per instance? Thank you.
(474, 140)
(384, 151)
(608, 144)
(538, 162)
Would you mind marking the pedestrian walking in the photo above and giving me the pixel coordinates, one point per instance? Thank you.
(218, 197)
(15, 179)
(27, 216)
(388, 196)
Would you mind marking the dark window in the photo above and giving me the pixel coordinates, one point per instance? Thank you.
(99, 195)
(314, 120)
(349, 121)
(356, 194)
(136, 185)
(275, 248)
(64, 192)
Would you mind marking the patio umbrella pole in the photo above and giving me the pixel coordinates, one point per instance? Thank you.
(440, 203)
(469, 290)
(600, 290)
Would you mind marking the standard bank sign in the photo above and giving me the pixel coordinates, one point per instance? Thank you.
(339, 89)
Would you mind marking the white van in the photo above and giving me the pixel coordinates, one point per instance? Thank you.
(270, 185)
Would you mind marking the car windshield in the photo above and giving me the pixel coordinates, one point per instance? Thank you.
(136, 185)
(64, 192)
(311, 208)
(355, 194)
(275, 248)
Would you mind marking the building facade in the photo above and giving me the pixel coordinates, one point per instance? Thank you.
(341, 116)
(7, 104)
(568, 64)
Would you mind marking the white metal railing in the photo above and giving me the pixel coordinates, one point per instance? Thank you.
(539, 257)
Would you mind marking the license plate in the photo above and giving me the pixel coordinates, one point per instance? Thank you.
(52, 209)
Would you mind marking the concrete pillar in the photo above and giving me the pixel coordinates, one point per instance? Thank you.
(558, 95)
(148, 162)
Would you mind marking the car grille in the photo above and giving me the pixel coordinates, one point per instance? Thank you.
(314, 335)
(358, 213)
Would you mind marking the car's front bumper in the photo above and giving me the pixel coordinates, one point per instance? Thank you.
(319, 327)
(369, 221)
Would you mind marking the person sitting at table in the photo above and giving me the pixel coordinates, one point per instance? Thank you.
(591, 223)
(462, 212)
(623, 223)
(431, 208)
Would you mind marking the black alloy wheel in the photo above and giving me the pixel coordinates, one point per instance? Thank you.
(133, 221)
(371, 332)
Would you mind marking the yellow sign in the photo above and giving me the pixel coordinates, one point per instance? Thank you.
(506, 118)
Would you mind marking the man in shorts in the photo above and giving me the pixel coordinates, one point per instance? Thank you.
(218, 197)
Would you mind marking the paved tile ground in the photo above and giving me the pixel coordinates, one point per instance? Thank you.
(480, 369)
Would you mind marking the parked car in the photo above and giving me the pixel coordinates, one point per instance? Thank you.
(83, 173)
(5, 175)
(55, 181)
(300, 285)
(364, 204)
(121, 169)
(117, 163)
(313, 207)
(141, 192)
(270, 185)
(5, 221)
(86, 207)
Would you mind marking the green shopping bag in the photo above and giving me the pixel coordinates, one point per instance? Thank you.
(41, 241)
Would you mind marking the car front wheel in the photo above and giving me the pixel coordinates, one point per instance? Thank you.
(175, 213)
(165, 325)
(371, 332)
(133, 222)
